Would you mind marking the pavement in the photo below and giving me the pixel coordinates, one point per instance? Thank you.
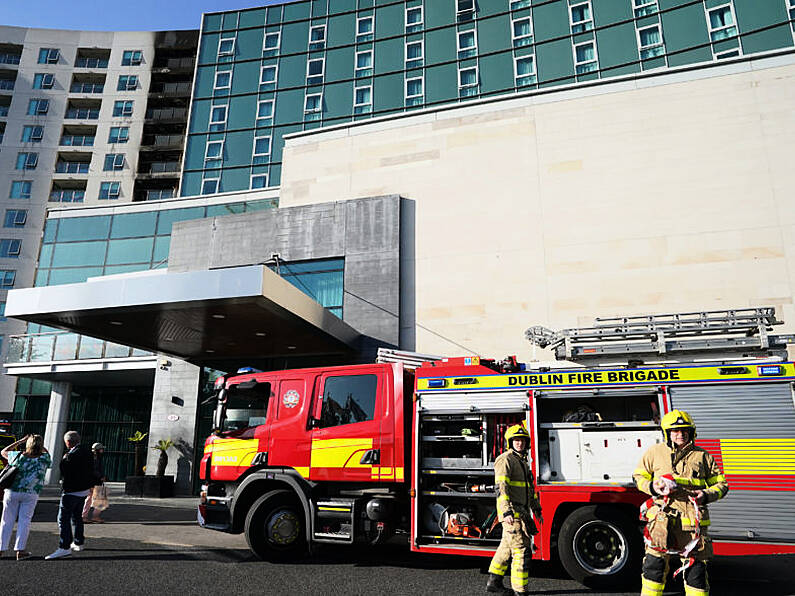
(155, 545)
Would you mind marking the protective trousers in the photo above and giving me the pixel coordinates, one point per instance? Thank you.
(514, 547)
(655, 566)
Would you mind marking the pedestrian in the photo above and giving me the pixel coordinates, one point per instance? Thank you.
(98, 497)
(77, 478)
(516, 499)
(19, 501)
(681, 479)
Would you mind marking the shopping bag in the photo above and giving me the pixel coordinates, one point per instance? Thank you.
(100, 498)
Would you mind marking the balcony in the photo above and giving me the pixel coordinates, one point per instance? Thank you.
(167, 114)
(86, 87)
(67, 196)
(94, 58)
(178, 89)
(159, 169)
(162, 142)
(10, 58)
(82, 114)
(7, 84)
(72, 167)
(64, 346)
(173, 65)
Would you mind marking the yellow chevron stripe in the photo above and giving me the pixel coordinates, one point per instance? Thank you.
(758, 456)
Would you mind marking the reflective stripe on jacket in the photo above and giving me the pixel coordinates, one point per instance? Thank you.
(515, 488)
(692, 468)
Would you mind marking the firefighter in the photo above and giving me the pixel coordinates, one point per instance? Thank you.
(516, 498)
(681, 479)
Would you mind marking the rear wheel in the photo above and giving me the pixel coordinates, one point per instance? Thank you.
(600, 546)
(275, 527)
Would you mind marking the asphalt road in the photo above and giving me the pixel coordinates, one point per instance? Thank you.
(148, 546)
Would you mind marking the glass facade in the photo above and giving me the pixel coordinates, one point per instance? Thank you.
(307, 64)
(321, 280)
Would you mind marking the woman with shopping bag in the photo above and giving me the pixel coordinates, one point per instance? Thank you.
(19, 500)
(98, 498)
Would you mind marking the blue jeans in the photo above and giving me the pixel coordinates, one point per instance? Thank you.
(70, 511)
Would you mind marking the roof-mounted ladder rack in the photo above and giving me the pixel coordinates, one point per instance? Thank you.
(687, 336)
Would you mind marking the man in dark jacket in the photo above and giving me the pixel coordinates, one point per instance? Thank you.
(77, 477)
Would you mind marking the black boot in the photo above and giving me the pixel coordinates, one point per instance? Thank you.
(495, 584)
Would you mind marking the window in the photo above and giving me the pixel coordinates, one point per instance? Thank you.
(467, 44)
(214, 150)
(721, 23)
(644, 7)
(109, 191)
(413, 19)
(650, 42)
(113, 161)
(32, 134)
(9, 248)
(363, 100)
(585, 58)
(223, 80)
(522, 32)
(77, 140)
(119, 134)
(7, 277)
(414, 54)
(580, 17)
(313, 103)
(364, 29)
(210, 186)
(270, 43)
(314, 71)
(524, 71)
(37, 107)
(27, 161)
(127, 83)
(2, 313)
(467, 81)
(122, 108)
(364, 63)
(226, 47)
(132, 57)
(517, 4)
(348, 400)
(15, 218)
(21, 189)
(317, 37)
(63, 166)
(414, 91)
(49, 56)
(259, 181)
(262, 149)
(218, 118)
(465, 6)
(727, 54)
(43, 80)
(264, 111)
(267, 75)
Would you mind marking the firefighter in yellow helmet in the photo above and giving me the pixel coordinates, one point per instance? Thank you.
(516, 499)
(681, 479)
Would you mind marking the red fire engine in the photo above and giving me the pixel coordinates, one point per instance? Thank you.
(357, 453)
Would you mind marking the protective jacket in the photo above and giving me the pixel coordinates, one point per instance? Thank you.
(693, 469)
(516, 491)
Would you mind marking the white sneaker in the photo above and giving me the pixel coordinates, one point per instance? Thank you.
(61, 552)
(77, 547)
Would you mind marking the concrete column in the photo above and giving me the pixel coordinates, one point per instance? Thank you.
(175, 405)
(57, 419)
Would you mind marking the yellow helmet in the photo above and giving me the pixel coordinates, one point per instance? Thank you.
(517, 431)
(677, 419)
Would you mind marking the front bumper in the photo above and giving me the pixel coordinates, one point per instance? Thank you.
(214, 513)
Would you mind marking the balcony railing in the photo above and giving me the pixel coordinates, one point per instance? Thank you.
(3, 111)
(9, 58)
(158, 195)
(163, 140)
(63, 345)
(167, 113)
(83, 113)
(7, 84)
(78, 140)
(83, 62)
(72, 167)
(87, 88)
(67, 196)
(161, 167)
(172, 89)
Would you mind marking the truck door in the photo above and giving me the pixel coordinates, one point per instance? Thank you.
(290, 436)
(347, 424)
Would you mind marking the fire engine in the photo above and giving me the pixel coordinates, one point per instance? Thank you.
(357, 453)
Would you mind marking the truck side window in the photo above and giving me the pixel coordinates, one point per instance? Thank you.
(247, 406)
(348, 399)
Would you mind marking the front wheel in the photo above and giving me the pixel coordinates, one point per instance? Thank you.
(275, 527)
(600, 546)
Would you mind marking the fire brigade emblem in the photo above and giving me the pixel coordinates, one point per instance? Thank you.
(291, 399)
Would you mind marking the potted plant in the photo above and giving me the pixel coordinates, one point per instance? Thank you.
(160, 485)
(134, 485)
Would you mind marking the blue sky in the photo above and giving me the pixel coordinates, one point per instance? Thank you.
(137, 15)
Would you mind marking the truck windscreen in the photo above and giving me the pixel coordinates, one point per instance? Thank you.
(246, 405)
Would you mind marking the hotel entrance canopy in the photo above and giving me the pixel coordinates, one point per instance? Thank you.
(203, 317)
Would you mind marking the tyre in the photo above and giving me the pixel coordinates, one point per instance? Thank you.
(275, 527)
(600, 546)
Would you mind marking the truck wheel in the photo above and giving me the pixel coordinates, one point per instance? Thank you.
(600, 546)
(275, 527)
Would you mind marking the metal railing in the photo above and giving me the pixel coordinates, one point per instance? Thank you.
(83, 62)
(157, 195)
(78, 140)
(63, 345)
(10, 58)
(167, 113)
(87, 88)
(83, 113)
(67, 196)
(7, 84)
(172, 89)
(163, 140)
(162, 167)
(72, 167)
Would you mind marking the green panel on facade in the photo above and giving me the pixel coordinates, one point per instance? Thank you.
(130, 250)
(242, 112)
(494, 34)
(551, 21)
(252, 18)
(617, 47)
(606, 13)
(79, 254)
(200, 116)
(230, 21)
(249, 44)
(340, 30)
(234, 179)
(208, 48)
(555, 62)
(292, 73)
(496, 72)
(339, 6)
(389, 20)
(132, 225)
(754, 18)
(441, 83)
(205, 80)
(295, 37)
(338, 100)
(243, 75)
(440, 46)
(685, 28)
(438, 14)
(294, 11)
(290, 106)
(238, 148)
(194, 152)
(191, 183)
(212, 22)
(388, 93)
(339, 64)
(388, 55)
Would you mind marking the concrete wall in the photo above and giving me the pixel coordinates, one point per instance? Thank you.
(658, 193)
(365, 232)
